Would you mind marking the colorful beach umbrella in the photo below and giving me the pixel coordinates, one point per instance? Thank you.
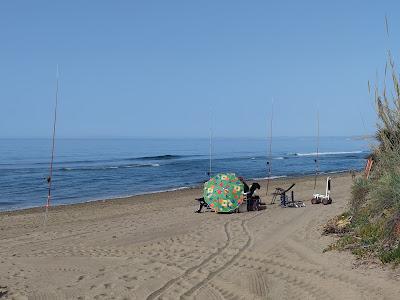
(223, 192)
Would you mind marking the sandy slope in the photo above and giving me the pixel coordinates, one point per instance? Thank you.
(155, 247)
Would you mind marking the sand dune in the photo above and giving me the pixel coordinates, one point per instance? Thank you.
(155, 247)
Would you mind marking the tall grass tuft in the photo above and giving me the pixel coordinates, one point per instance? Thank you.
(375, 202)
(359, 195)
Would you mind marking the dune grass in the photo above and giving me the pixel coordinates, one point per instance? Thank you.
(375, 203)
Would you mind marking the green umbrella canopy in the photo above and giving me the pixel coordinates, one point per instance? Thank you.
(223, 192)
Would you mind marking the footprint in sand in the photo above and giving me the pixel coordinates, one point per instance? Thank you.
(19, 297)
(3, 291)
(108, 285)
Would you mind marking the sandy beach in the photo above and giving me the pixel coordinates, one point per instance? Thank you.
(155, 247)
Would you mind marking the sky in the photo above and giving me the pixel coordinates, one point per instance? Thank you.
(178, 68)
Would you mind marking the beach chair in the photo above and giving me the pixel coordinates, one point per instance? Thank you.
(280, 192)
(292, 202)
(285, 200)
(202, 204)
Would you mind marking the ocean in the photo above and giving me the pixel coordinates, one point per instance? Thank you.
(93, 169)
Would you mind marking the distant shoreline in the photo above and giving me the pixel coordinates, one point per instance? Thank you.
(36, 209)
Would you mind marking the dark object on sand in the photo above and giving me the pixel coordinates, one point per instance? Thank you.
(284, 199)
(202, 203)
(281, 193)
(253, 201)
(3, 291)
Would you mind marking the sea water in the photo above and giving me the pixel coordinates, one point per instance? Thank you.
(92, 169)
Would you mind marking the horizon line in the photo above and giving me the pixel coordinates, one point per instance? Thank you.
(184, 137)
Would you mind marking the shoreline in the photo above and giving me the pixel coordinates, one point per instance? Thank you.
(37, 209)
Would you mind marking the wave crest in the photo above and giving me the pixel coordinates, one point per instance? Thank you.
(97, 168)
(328, 153)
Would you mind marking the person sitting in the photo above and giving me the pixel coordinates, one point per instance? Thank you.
(253, 200)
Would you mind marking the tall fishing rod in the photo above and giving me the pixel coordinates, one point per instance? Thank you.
(210, 148)
(317, 158)
(50, 177)
(269, 161)
(210, 155)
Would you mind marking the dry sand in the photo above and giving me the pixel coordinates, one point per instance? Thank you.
(155, 247)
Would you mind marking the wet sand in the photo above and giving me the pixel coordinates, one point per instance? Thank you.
(155, 247)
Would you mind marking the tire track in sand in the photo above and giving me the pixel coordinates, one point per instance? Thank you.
(226, 264)
(238, 239)
(171, 282)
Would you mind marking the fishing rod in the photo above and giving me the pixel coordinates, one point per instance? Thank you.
(269, 161)
(210, 148)
(317, 158)
(50, 177)
(210, 155)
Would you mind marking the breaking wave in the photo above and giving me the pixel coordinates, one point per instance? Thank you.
(89, 161)
(159, 157)
(97, 168)
(328, 153)
(271, 177)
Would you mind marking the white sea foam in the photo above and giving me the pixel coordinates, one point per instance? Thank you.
(328, 153)
(97, 168)
(271, 177)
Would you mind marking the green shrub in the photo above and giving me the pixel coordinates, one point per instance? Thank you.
(370, 233)
(386, 191)
(361, 218)
(359, 194)
(391, 255)
(345, 242)
(375, 202)
(360, 252)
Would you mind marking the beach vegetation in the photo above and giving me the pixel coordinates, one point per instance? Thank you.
(374, 207)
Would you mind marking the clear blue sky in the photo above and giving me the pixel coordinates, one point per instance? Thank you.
(157, 68)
